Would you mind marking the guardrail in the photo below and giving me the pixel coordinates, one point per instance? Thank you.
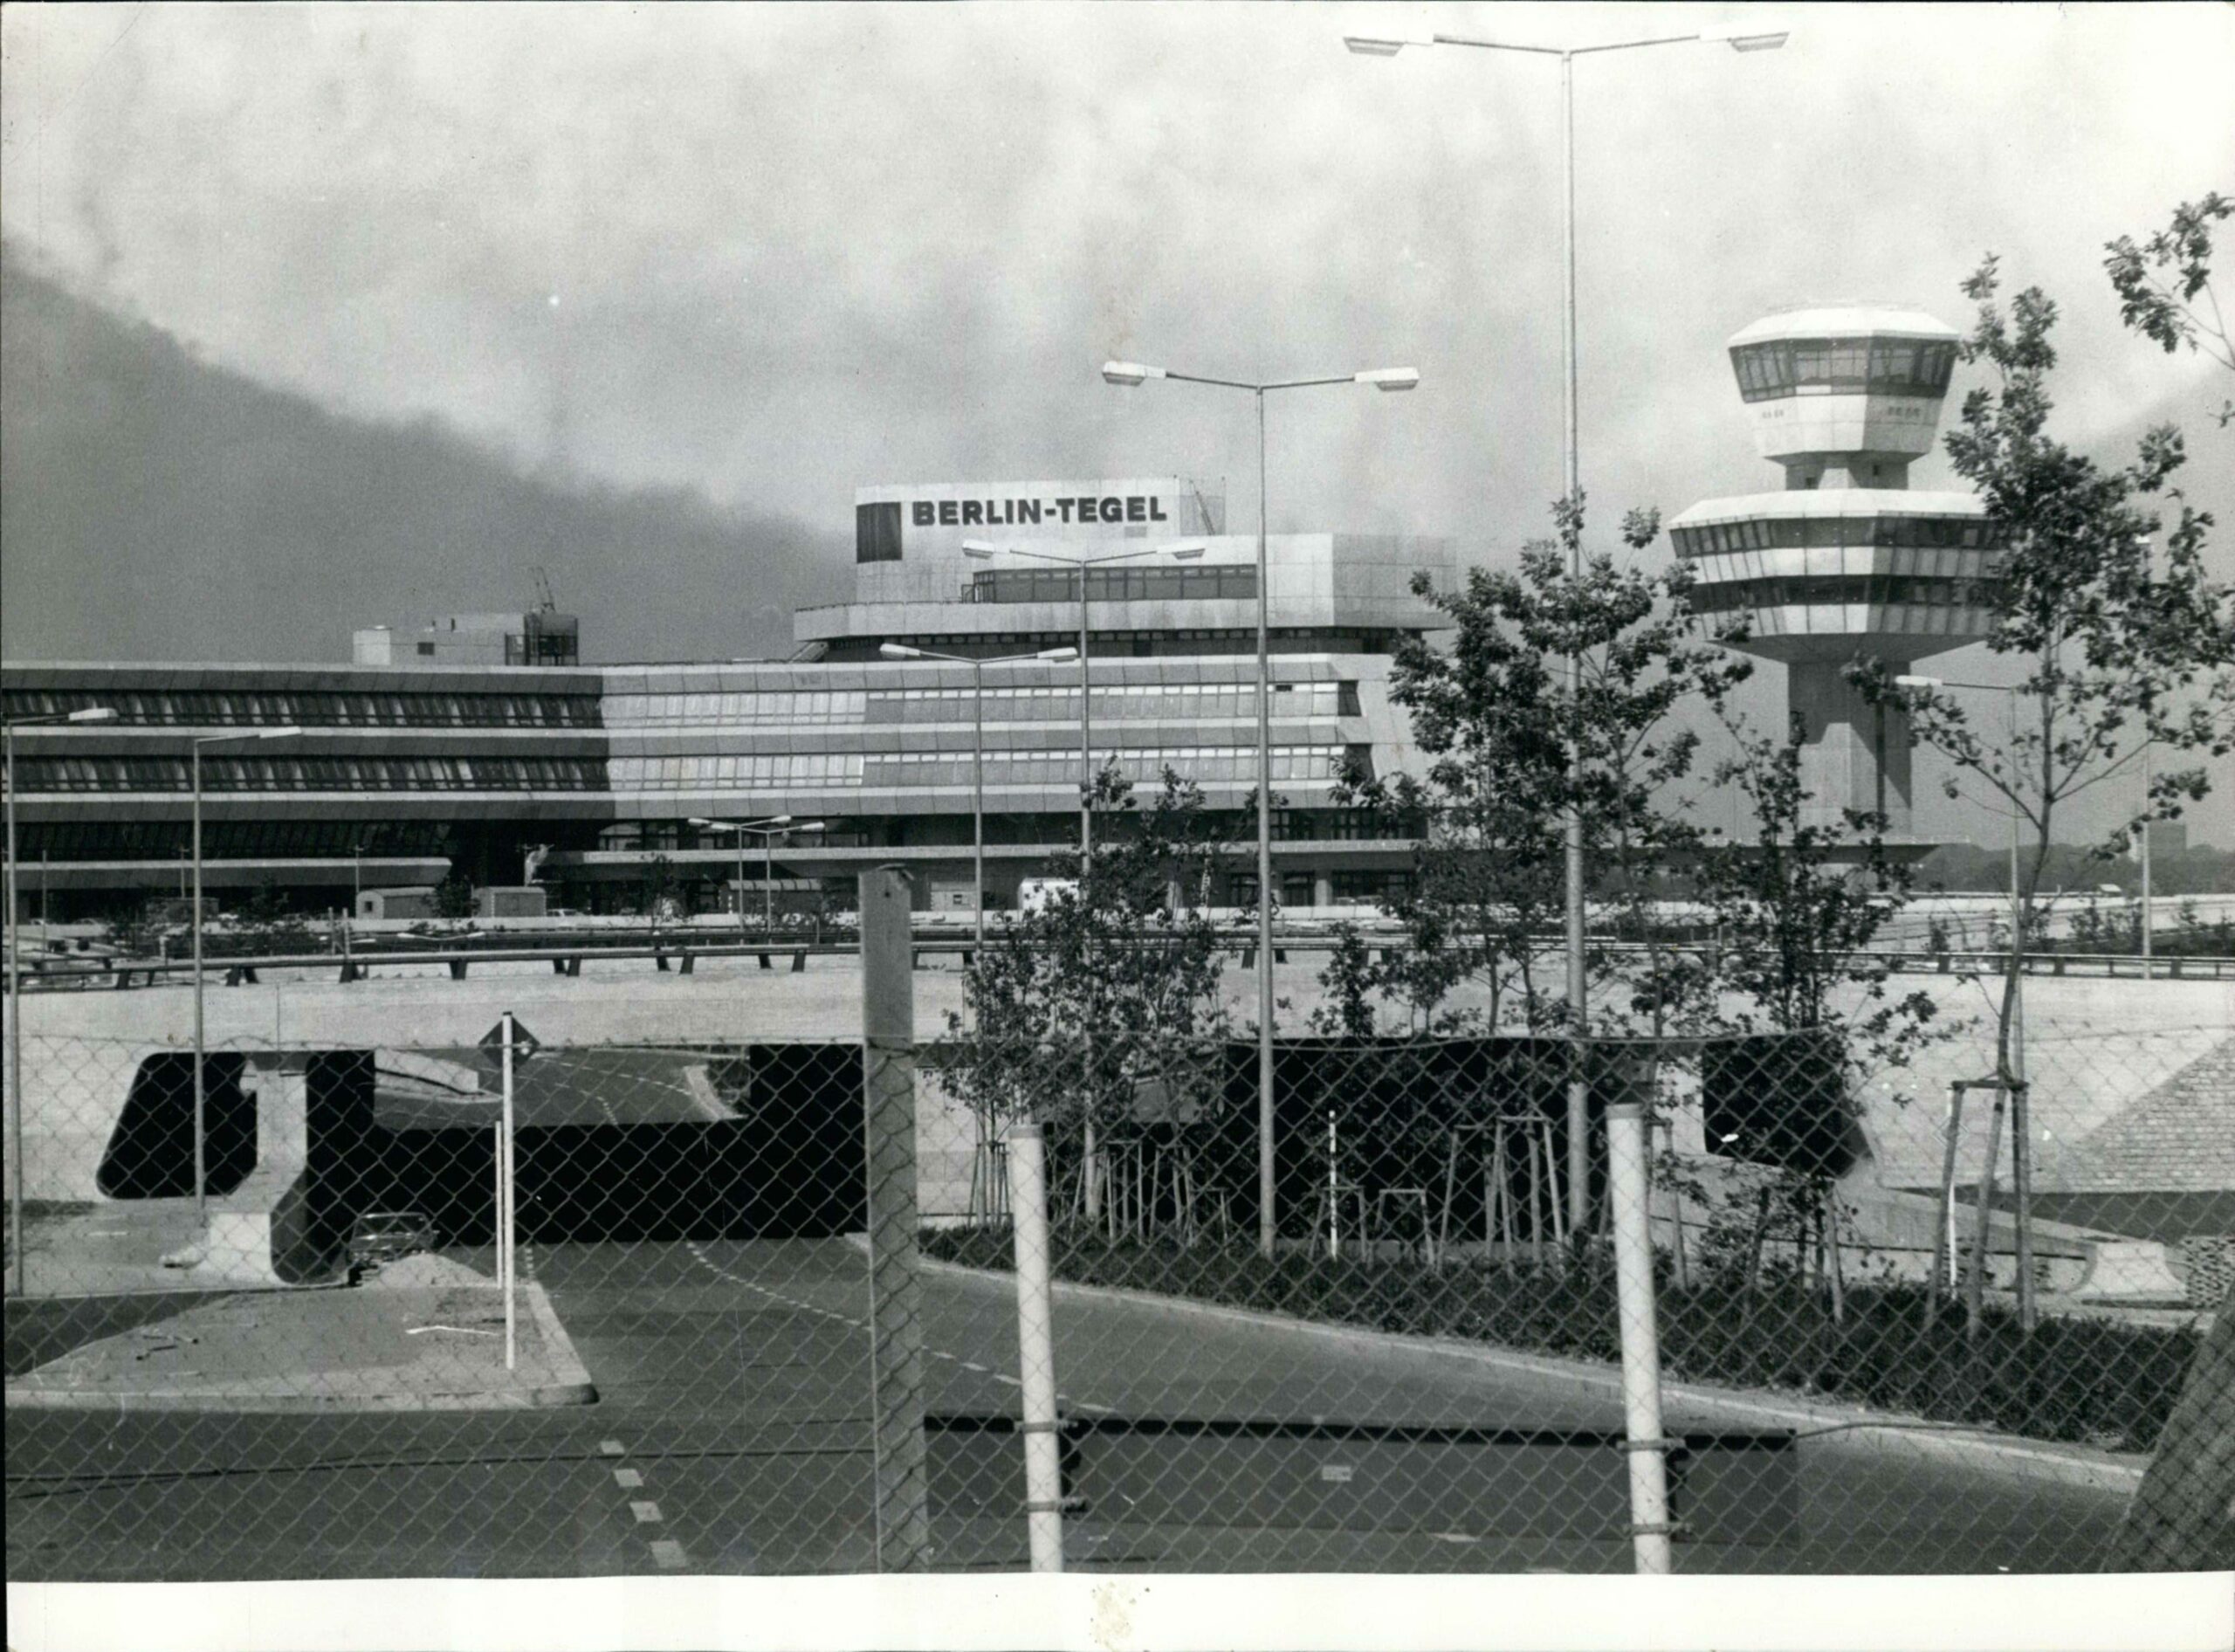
(565, 958)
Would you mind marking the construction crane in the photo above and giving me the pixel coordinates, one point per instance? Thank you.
(545, 602)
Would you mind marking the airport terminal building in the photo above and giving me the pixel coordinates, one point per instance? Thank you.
(406, 774)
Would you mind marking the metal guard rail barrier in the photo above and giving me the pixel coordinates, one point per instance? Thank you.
(40, 975)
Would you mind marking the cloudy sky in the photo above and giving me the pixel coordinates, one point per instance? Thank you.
(774, 253)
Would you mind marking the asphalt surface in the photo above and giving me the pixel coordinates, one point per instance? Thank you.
(731, 1435)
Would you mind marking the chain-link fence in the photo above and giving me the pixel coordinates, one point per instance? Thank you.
(756, 1306)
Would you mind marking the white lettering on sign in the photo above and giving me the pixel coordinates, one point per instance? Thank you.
(1337, 1473)
(1130, 507)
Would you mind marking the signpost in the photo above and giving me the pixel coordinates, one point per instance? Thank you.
(514, 1043)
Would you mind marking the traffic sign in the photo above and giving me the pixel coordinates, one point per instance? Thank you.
(525, 1044)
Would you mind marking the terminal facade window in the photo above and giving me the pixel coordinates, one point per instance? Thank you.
(289, 774)
(1014, 703)
(1765, 533)
(1148, 584)
(808, 771)
(68, 840)
(320, 708)
(1848, 365)
(1876, 590)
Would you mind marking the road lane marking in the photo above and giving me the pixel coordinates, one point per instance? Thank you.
(646, 1513)
(670, 1555)
(627, 1479)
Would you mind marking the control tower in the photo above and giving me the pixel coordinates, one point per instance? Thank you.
(1846, 562)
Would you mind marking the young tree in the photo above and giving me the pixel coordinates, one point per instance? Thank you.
(1112, 988)
(454, 897)
(1494, 710)
(1795, 912)
(2112, 655)
(2165, 286)
(657, 888)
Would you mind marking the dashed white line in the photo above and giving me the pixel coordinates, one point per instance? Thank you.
(646, 1513)
(698, 1253)
(627, 1479)
(609, 1449)
(668, 1553)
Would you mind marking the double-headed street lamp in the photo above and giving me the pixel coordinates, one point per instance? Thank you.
(767, 831)
(1179, 550)
(1132, 374)
(201, 1086)
(8, 726)
(1739, 37)
(1051, 656)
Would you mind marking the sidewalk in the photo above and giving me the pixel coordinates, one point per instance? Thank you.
(423, 1334)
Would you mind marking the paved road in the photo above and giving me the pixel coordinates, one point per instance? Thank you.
(731, 1437)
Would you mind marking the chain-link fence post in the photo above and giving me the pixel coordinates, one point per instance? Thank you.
(508, 1207)
(1036, 1337)
(1628, 1189)
(896, 1288)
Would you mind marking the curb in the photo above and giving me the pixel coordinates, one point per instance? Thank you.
(575, 1378)
(572, 1386)
(1880, 1432)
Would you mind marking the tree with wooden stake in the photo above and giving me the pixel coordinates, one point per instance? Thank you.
(1797, 913)
(2114, 655)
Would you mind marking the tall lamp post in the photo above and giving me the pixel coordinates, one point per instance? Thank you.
(2021, 1145)
(16, 1267)
(1052, 656)
(982, 550)
(201, 1085)
(1739, 37)
(1132, 374)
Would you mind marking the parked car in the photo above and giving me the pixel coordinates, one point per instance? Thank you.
(388, 1236)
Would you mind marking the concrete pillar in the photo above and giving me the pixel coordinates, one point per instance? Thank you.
(1854, 754)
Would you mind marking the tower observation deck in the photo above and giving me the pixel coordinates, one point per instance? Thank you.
(1845, 562)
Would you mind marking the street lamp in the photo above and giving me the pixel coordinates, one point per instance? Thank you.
(2021, 1146)
(8, 726)
(201, 1146)
(1179, 550)
(1053, 656)
(767, 831)
(1388, 379)
(1740, 38)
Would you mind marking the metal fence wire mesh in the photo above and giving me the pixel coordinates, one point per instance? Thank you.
(761, 1310)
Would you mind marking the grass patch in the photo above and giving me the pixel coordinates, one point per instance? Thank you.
(2083, 1381)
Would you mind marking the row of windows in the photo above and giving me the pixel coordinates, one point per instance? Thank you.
(1878, 367)
(1765, 534)
(1149, 584)
(205, 708)
(1143, 766)
(1014, 704)
(311, 774)
(233, 840)
(1874, 590)
(807, 770)
(766, 769)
